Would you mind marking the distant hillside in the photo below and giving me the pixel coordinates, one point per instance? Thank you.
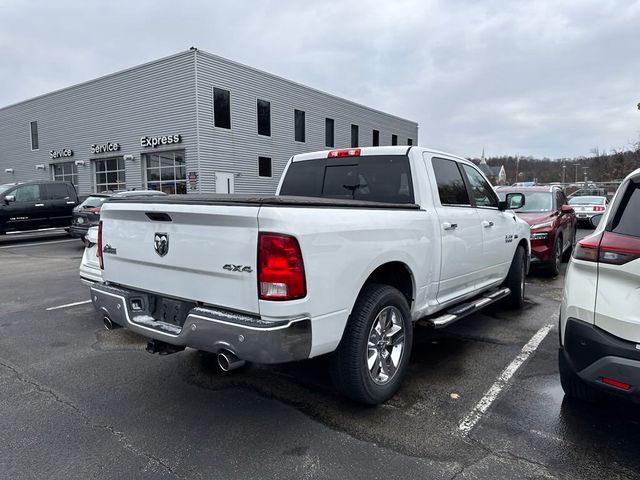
(601, 167)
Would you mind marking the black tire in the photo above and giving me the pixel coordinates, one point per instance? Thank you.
(556, 260)
(348, 364)
(567, 255)
(574, 386)
(516, 279)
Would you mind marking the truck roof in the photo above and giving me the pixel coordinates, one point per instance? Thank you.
(368, 151)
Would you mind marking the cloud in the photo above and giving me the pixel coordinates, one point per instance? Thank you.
(547, 78)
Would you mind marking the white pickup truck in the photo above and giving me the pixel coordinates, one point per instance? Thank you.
(355, 247)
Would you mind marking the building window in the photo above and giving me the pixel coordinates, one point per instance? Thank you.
(376, 138)
(110, 174)
(394, 139)
(264, 166)
(409, 141)
(221, 108)
(264, 118)
(35, 144)
(66, 172)
(166, 171)
(299, 125)
(354, 135)
(329, 125)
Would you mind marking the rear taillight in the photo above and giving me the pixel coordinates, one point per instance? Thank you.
(598, 209)
(608, 247)
(99, 252)
(345, 152)
(280, 268)
(616, 383)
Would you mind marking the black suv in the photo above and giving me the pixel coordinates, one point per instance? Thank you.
(36, 204)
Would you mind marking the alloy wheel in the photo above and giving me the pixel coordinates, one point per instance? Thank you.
(385, 346)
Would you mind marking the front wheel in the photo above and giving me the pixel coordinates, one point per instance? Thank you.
(516, 278)
(371, 360)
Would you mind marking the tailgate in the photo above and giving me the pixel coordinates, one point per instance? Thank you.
(210, 252)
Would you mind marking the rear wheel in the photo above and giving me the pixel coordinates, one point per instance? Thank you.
(516, 278)
(567, 255)
(372, 357)
(574, 386)
(556, 260)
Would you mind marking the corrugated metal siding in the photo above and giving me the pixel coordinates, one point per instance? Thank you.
(237, 150)
(154, 99)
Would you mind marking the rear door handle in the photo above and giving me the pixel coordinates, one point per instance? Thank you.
(449, 226)
(39, 205)
(487, 224)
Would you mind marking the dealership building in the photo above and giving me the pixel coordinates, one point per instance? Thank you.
(192, 122)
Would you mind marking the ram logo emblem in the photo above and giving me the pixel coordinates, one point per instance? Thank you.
(161, 243)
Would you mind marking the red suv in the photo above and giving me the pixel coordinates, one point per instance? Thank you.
(552, 221)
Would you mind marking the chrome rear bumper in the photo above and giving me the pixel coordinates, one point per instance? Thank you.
(251, 338)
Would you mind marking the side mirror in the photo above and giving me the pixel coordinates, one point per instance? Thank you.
(596, 219)
(567, 209)
(9, 198)
(513, 201)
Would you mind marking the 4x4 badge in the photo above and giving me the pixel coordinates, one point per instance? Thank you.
(161, 243)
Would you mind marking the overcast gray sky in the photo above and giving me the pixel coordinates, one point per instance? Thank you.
(544, 78)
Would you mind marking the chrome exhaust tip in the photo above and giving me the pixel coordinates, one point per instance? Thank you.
(228, 361)
(109, 325)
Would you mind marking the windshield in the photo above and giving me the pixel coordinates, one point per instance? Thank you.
(93, 202)
(5, 187)
(587, 201)
(535, 202)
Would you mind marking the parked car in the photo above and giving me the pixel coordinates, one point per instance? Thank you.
(588, 206)
(599, 315)
(87, 214)
(356, 245)
(90, 272)
(36, 204)
(591, 191)
(553, 224)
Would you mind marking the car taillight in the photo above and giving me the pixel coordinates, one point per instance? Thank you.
(280, 268)
(99, 252)
(345, 152)
(598, 209)
(608, 247)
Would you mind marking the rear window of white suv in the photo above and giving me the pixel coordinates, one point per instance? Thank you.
(626, 221)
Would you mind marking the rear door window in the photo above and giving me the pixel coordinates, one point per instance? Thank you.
(57, 191)
(376, 178)
(626, 220)
(451, 187)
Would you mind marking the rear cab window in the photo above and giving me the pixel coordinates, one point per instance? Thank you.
(57, 191)
(374, 178)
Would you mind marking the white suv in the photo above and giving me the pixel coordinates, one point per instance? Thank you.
(600, 312)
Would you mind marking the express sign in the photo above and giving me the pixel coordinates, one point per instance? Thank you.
(156, 141)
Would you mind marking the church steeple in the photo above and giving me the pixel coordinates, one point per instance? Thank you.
(483, 161)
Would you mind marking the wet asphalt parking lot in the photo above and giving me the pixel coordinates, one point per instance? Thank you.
(77, 401)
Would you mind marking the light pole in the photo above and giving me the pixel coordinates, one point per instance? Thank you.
(564, 171)
(576, 179)
(585, 175)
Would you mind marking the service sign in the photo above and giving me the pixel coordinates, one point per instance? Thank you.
(65, 152)
(105, 147)
(152, 142)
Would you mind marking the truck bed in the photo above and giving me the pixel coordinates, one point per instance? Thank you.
(260, 200)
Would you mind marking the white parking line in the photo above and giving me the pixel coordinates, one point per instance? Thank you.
(67, 305)
(503, 380)
(40, 243)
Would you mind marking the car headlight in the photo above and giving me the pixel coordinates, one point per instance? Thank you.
(542, 225)
(539, 236)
